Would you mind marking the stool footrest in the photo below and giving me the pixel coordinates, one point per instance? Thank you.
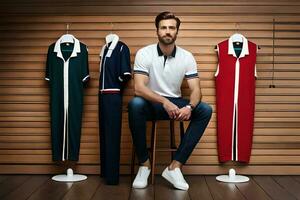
(167, 150)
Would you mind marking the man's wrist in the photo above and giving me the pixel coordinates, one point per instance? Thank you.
(190, 106)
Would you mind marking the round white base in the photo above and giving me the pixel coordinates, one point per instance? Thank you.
(69, 177)
(232, 178)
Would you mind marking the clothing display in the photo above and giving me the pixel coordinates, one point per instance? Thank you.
(115, 71)
(67, 71)
(235, 98)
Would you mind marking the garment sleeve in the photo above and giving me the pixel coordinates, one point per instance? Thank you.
(141, 64)
(47, 72)
(125, 71)
(191, 67)
(85, 75)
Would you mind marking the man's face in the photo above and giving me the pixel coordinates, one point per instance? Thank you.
(167, 31)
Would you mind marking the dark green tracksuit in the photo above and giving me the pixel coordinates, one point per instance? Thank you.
(67, 71)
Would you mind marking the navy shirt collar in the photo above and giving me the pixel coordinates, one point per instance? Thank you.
(160, 53)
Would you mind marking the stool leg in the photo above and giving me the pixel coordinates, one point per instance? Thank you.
(172, 138)
(153, 148)
(132, 162)
(181, 130)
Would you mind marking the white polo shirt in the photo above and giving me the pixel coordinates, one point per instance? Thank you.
(165, 73)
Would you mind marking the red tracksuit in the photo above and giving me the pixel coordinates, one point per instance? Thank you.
(235, 94)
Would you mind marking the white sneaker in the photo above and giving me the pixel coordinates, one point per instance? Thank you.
(176, 178)
(141, 179)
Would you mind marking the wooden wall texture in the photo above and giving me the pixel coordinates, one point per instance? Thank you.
(28, 27)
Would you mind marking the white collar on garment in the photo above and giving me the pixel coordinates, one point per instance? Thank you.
(245, 50)
(114, 39)
(76, 48)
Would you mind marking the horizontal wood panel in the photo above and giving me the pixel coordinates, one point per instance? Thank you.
(28, 27)
(150, 10)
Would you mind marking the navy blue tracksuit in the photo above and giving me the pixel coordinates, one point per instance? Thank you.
(115, 72)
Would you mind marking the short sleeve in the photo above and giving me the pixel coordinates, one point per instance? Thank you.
(141, 64)
(191, 67)
(47, 72)
(85, 76)
(125, 71)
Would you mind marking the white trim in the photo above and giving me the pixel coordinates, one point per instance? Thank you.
(255, 72)
(236, 95)
(120, 79)
(191, 72)
(245, 50)
(236, 81)
(127, 73)
(232, 133)
(236, 133)
(76, 48)
(111, 89)
(217, 72)
(85, 78)
(101, 57)
(103, 78)
(114, 39)
(47, 79)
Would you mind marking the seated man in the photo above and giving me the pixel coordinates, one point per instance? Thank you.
(159, 70)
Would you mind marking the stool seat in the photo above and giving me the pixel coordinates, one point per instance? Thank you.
(153, 149)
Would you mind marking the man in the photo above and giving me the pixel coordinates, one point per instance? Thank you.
(159, 70)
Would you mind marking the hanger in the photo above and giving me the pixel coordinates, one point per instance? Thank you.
(237, 37)
(67, 38)
(110, 37)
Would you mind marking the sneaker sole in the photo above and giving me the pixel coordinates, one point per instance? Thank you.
(168, 178)
(139, 187)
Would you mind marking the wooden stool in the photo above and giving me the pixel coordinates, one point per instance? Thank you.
(153, 149)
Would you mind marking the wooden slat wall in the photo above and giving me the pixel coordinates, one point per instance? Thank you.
(27, 28)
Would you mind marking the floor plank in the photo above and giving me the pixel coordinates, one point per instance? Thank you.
(198, 188)
(37, 187)
(84, 189)
(12, 183)
(164, 190)
(223, 190)
(115, 192)
(289, 184)
(297, 178)
(251, 190)
(273, 189)
(3, 178)
(27, 188)
(51, 190)
(142, 194)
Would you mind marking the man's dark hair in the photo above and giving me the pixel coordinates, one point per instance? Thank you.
(166, 15)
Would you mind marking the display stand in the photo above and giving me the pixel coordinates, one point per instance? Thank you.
(232, 177)
(69, 177)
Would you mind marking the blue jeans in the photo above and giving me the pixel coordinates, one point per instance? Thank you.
(140, 111)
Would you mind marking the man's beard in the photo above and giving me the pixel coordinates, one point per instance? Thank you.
(167, 40)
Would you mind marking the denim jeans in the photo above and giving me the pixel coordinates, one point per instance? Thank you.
(140, 111)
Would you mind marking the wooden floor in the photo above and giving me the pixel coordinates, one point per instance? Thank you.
(41, 187)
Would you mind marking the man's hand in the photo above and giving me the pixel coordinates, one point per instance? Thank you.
(172, 109)
(184, 114)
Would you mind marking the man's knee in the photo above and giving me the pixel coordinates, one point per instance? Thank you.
(136, 103)
(203, 109)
